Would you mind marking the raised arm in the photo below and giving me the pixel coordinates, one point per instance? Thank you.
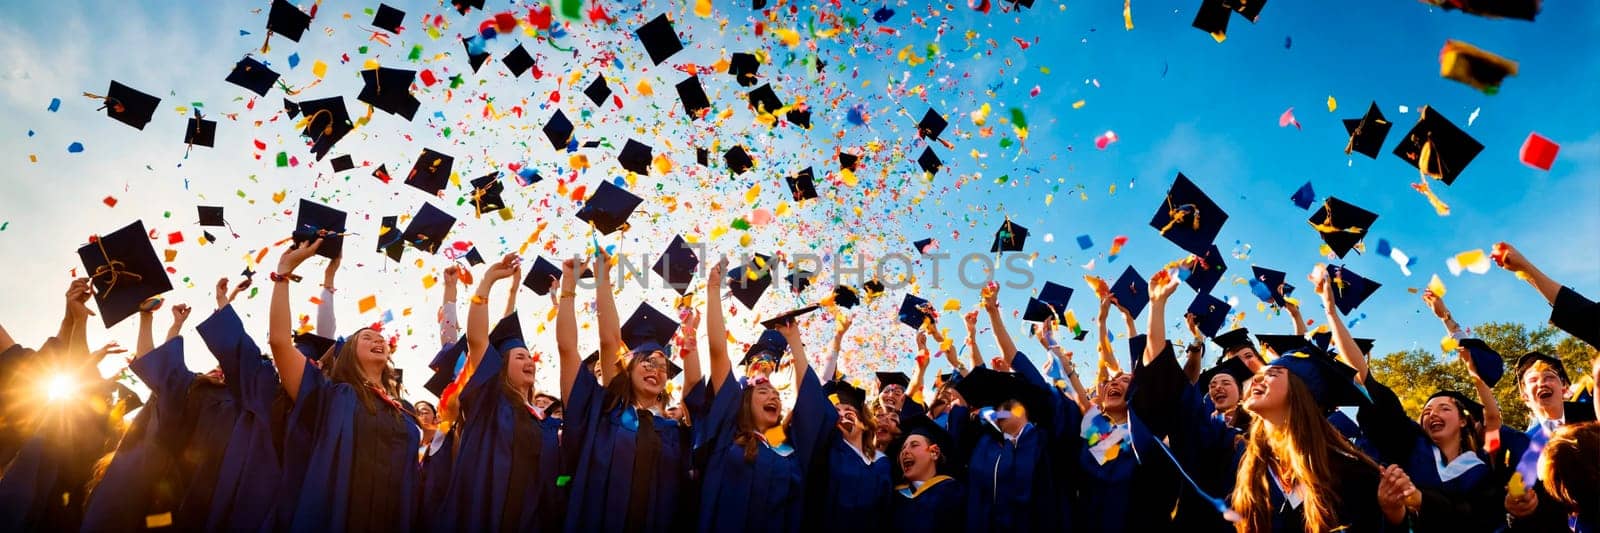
(606, 316)
(280, 320)
(797, 349)
(1510, 259)
(1293, 307)
(1195, 351)
(830, 366)
(75, 326)
(991, 304)
(1063, 359)
(146, 341)
(478, 312)
(689, 346)
(180, 314)
(1162, 285)
(6, 342)
(1108, 359)
(971, 321)
(567, 328)
(327, 322)
(1348, 349)
(449, 321)
(224, 297)
(511, 296)
(716, 329)
(923, 358)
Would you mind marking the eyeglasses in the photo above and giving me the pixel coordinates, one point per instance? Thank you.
(654, 364)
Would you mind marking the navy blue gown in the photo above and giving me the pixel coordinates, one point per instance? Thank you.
(847, 492)
(938, 506)
(139, 482)
(598, 447)
(768, 493)
(500, 474)
(1020, 485)
(246, 490)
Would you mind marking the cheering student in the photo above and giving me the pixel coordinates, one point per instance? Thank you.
(1570, 311)
(629, 463)
(755, 458)
(351, 452)
(850, 488)
(929, 500)
(1542, 383)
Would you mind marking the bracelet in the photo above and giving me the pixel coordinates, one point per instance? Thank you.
(568, 294)
(479, 300)
(280, 278)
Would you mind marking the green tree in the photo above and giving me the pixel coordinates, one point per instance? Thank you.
(1416, 374)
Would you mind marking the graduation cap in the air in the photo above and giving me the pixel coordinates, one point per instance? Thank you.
(1349, 289)
(743, 66)
(1367, 133)
(1188, 217)
(677, 265)
(1009, 238)
(200, 131)
(518, 61)
(1303, 196)
(129, 106)
(693, 96)
(342, 163)
(1437, 147)
(124, 270)
(473, 257)
(635, 157)
(799, 280)
(1332, 383)
(738, 160)
(486, 191)
(924, 246)
(431, 172)
(788, 316)
(1511, 9)
(313, 346)
(211, 216)
(885, 379)
(1206, 269)
(648, 330)
(802, 184)
(390, 242)
(1474, 66)
(799, 115)
(428, 229)
(1232, 366)
(608, 208)
(326, 122)
(477, 55)
(1051, 301)
(290, 108)
(541, 276)
(253, 76)
(389, 90)
(1233, 340)
(1132, 291)
(762, 356)
(931, 125)
(559, 130)
(1342, 225)
(598, 91)
(844, 296)
(914, 311)
(702, 157)
(1212, 16)
(847, 160)
(873, 288)
(287, 20)
(388, 18)
(763, 100)
(749, 281)
(1265, 285)
(659, 38)
(1210, 313)
(1489, 364)
(462, 6)
(316, 220)
(929, 161)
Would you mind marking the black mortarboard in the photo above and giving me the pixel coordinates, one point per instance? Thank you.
(1009, 238)
(1342, 225)
(388, 18)
(343, 163)
(598, 91)
(1052, 299)
(635, 157)
(608, 208)
(844, 296)
(847, 160)
(389, 241)
(929, 161)
(799, 115)
(592, 359)
(1367, 133)
(486, 191)
(1349, 288)
(462, 6)
(702, 157)
(985, 387)
(518, 61)
(767, 349)
(253, 76)
(476, 54)
(124, 270)
(1132, 291)
(1531, 358)
(748, 289)
(440, 381)
(764, 100)
(1490, 365)
(313, 346)
(788, 316)
(290, 108)
(507, 334)
(648, 330)
(200, 132)
(327, 121)
(211, 216)
(1445, 148)
(1467, 404)
(948, 378)
(315, 219)
(738, 160)
(1188, 217)
(1332, 383)
(677, 265)
(743, 66)
(931, 125)
(1206, 270)
(1511, 9)
(1249, 9)
(693, 96)
(843, 393)
(885, 379)
(473, 257)
(935, 434)
(672, 370)
(660, 40)
(287, 20)
(428, 229)
(431, 172)
(799, 280)
(1233, 340)
(129, 106)
(1265, 286)
(1210, 313)
(914, 311)
(542, 276)
(802, 184)
(1232, 366)
(389, 90)
(558, 130)
(1212, 17)
(1285, 344)
(923, 245)
(872, 287)
(1323, 339)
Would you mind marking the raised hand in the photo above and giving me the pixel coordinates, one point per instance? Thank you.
(297, 254)
(504, 268)
(452, 274)
(718, 273)
(569, 276)
(109, 349)
(1162, 285)
(222, 293)
(328, 273)
(1435, 304)
(180, 313)
(78, 294)
(1509, 258)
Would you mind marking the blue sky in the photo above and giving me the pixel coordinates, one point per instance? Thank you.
(1177, 100)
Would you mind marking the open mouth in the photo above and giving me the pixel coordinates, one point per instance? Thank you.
(1435, 425)
(847, 425)
(652, 380)
(771, 408)
(907, 462)
(1544, 393)
(1257, 391)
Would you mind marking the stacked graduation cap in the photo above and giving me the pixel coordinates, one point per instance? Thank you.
(1188, 217)
(124, 270)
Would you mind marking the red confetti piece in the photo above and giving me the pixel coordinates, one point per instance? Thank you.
(110, 201)
(175, 237)
(427, 78)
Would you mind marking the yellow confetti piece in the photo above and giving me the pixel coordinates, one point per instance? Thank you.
(367, 303)
(702, 8)
(1436, 286)
(319, 69)
(1078, 104)
(952, 305)
(428, 281)
(578, 162)
(788, 37)
(278, 197)
(744, 240)
(1449, 344)
(1127, 14)
(170, 254)
(371, 63)
(645, 89)
(1332, 104)
(753, 194)
(848, 177)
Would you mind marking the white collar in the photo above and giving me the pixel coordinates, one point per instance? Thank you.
(1463, 462)
(1293, 496)
(864, 459)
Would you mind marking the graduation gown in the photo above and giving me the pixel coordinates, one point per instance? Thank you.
(500, 473)
(1137, 489)
(767, 494)
(598, 447)
(436, 472)
(139, 482)
(1472, 500)
(44, 485)
(1576, 315)
(848, 493)
(938, 506)
(248, 476)
(1166, 404)
(360, 468)
(1017, 485)
(1355, 482)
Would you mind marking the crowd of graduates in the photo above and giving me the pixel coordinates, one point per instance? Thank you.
(308, 433)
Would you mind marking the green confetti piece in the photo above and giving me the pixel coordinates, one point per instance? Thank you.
(362, 50)
(283, 159)
(1002, 179)
(563, 480)
(740, 224)
(166, 214)
(447, 132)
(3, 225)
(456, 82)
(416, 53)
(572, 9)
(1018, 118)
(240, 192)
(1005, 142)
(253, 291)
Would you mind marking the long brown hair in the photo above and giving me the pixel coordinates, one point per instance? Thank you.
(745, 426)
(869, 430)
(347, 369)
(1307, 446)
(619, 390)
(523, 396)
